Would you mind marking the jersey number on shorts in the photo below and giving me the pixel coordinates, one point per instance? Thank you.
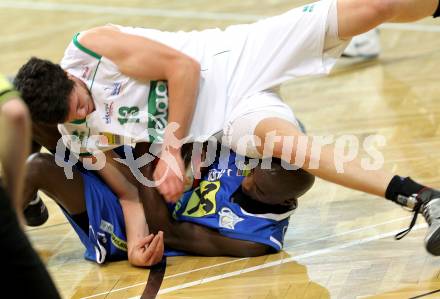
(202, 201)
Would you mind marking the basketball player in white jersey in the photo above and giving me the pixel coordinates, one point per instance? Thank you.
(216, 80)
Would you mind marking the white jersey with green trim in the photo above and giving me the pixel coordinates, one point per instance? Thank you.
(237, 64)
(128, 111)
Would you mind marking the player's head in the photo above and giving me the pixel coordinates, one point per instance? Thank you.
(277, 185)
(51, 94)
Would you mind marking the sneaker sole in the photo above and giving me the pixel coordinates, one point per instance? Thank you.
(433, 242)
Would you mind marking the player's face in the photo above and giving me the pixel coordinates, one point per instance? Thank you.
(80, 101)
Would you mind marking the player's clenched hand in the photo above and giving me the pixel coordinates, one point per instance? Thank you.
(169, 174)
(148, 251)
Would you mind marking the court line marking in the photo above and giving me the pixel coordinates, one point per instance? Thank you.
(174, 13)
(19, 37)
(166, 277)
(283, 261)
(426, 294)
(127, 11)
(243, 259)
(347, 232)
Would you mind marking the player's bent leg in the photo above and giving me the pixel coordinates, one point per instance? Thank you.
(43, 174)
(359, 16)
(296, 148)
(402, 191)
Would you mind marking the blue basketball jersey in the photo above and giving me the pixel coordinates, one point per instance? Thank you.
(211, 205)
(106, 239)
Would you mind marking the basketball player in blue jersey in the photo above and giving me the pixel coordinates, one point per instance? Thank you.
(216, 80)
(225, 220)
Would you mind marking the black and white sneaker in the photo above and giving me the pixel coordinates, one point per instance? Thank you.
(427, 202)
(36, 213)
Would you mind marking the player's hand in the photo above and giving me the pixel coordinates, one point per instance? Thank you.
(169, 175)
(148, 251)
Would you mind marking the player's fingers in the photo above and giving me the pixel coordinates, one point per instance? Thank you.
(151, 248)
(158, 252)
(145, 241)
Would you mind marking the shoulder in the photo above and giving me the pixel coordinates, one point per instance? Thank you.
(88, 37)
(104, 40)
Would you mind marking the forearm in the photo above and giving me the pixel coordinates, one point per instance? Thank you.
(15, 129)
(183, 84)
(135, 221)
(136, 226)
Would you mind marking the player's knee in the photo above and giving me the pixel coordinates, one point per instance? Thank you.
(38, 164)
(385, 9)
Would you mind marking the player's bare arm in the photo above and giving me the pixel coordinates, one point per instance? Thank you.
(14, 121)
(147, 60)
(143, 248)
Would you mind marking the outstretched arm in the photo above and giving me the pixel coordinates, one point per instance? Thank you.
(146, 60)
(144, 249)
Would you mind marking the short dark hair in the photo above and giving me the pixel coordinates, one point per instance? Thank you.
(45, 88)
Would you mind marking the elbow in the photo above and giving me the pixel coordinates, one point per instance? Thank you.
(189, 67)
(194, 66)
(16, 112)
(131, 194)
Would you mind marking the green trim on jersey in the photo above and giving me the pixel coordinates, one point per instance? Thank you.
(158, 109)
(8, 95)
(85, 155)
(78, 121)
(94, 75)
(84, 49)
(7, 91)
(118, 242)
(152, 105)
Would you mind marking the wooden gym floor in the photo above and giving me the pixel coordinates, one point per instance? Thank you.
(340, 242)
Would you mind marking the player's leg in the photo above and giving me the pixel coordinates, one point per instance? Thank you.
(43, 174)
(359, 16)
(274, 132)
(354, 176)
(400, 190)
